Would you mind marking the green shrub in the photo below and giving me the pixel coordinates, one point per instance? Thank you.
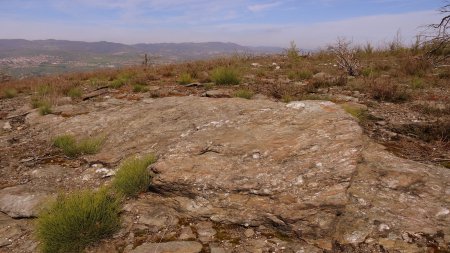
(117, 83)
(140, 88)
(74, 92)
(45, 108)
(133, 176)
(225, 76)
(300, 75)
(77, 220)
(185, 78)
(44, 89)
(73, 148)
(244, 93)
(10, 92)
(417, 83)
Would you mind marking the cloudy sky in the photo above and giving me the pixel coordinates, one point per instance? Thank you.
(311, 23)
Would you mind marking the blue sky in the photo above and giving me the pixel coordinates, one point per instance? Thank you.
(311, 23)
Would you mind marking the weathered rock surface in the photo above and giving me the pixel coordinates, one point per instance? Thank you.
(169, 247)
(303, 169)
(21, 202)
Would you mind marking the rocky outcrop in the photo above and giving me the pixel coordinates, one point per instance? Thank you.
(301, 172)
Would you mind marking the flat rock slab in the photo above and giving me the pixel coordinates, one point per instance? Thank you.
(22, 202)
(169, 247)
(304, 168)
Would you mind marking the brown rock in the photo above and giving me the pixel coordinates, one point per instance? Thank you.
(169, 247)
(304, 168)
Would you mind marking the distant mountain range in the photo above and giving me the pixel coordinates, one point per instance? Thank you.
(19, 47)
(20, 57)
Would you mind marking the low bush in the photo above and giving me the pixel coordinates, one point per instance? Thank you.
(140, 88)
(45, 108)
(133, 177)
(73, 148)
(385, 90)
(76, 220)
(300, 75)
(244, 93)
(225, 76)
(117, 83)
(417, 83)
(415, 66)
(10, 92)
(74, 92)
(185, 78)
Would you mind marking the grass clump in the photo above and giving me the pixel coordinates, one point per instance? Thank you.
(45, 108)
(244, 93)
(117, 83)
(76, 220)
(74, 92)
(133, 176)
(300, 75)
(185, 78)
(10, 92)
(140, 88)
(73, 148)
(225, 76)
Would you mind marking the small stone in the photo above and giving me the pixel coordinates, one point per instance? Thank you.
(186, 234)
(7, 126)
(249, 232)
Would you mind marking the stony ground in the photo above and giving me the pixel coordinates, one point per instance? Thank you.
(237, 175)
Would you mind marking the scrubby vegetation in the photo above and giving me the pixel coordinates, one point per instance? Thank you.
(225, 76)
(10, 92)
(133, 176)
(383, 78)
(76, 220)
(244, 93)
(72, 147)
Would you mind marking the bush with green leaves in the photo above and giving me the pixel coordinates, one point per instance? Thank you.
(244, 93)
(225, 76)
(77, 220)
(74, 92)
(45, 108)
(73, 148)
(10, 92)
(133, 177)
(185, 78)
(139, 88)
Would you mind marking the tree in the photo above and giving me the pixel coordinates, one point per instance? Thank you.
(438, 43)
(345, 56)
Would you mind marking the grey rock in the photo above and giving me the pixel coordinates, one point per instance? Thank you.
(7, 126)
(169, 247)
(21, 201)
(219, 93)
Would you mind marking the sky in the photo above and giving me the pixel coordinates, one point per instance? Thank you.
(311, 24)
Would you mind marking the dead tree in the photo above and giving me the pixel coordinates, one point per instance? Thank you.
(438, 43)
(345, 56)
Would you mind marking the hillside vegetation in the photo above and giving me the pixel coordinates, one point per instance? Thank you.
(403, 98)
